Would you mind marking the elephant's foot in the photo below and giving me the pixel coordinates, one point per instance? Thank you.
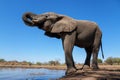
(95, 67)
(86, 67)
(71, 71)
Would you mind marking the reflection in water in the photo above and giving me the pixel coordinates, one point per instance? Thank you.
(30, 74)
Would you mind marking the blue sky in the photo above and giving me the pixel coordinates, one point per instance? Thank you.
(20, 42)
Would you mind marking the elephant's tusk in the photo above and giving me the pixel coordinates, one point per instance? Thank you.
(35, 21)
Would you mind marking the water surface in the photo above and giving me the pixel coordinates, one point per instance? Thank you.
(30, 74)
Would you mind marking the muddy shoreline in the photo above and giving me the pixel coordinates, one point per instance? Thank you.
(101, 74)
(106, 72)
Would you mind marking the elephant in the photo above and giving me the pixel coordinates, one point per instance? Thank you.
(81, 33)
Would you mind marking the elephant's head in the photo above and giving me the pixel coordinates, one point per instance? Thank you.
(32, 19)
(50, 22)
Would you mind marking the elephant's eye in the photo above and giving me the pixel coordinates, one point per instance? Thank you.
(46, 16)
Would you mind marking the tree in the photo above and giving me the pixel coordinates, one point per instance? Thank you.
(30, 63)
(109, 60)
(25, 63)
(56, 62)
(38, 63)
(99, 61)
(52, 62)
(2, 60)
(116, 60)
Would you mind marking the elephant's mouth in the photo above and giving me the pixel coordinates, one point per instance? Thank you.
(40, 24)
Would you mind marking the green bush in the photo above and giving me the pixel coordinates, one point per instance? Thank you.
(99, 61)
(38, 63)
(111, 60)
(2, 60)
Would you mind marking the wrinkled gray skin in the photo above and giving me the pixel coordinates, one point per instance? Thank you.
(81, 33)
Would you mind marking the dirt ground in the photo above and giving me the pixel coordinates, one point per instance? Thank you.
(106, 72)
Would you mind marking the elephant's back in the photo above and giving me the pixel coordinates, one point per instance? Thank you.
(86, 23)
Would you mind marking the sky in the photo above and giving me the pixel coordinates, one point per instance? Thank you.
(21, 42)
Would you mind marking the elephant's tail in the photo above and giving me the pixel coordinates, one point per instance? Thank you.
(102, 50)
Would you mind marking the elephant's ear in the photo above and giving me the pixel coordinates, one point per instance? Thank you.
(64, 25)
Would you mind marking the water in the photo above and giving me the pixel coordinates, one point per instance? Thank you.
(30, 74)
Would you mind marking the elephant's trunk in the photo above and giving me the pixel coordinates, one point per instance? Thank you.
(27, 18)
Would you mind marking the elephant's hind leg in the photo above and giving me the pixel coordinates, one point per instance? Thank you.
(96, 46)
(94, 60)
(88, 57)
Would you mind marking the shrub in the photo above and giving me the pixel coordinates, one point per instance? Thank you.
(2, 60)
(99, 61)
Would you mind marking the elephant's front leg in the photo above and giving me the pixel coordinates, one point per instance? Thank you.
(68, 44)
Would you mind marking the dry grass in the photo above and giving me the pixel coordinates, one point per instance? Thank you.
(58, 67)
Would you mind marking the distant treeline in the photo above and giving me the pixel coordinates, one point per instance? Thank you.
(113, 60)
(109, 60)
(15, 62)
